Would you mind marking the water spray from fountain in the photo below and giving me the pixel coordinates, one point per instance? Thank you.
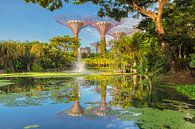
(75, 24)
(79, 65)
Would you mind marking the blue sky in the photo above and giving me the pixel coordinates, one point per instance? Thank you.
(23, 21)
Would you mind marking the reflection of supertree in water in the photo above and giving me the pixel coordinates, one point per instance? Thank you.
(103, 27)
(76, 109)
(101, 110)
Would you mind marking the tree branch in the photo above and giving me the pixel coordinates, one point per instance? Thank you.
(143, 11)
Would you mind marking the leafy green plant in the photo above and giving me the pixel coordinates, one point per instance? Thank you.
(187, 90)
(31, 126)
(37, 68)
(192, 62)
(2, 67)
(149, 118)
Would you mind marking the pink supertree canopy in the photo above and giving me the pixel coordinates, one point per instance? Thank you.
(103, 25)
(75, 23)
(119, 32)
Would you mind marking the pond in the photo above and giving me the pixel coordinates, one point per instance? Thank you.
(95, 102)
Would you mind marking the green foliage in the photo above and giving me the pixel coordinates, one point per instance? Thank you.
(178, 23)
(139, 51)
(59, 53)
(98, 61)
(115, 9)
(150, 118)
(102, 47)
(46, 63)
(163, 119)
(192, 62)
(187, 90)
(37, 68)
(66, 44)
(2, 67)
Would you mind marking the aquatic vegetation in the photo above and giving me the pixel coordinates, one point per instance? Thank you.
(34, 91)
(163, 119)
(187, 90)
(149, 118)
(31, 126)
(5, 83)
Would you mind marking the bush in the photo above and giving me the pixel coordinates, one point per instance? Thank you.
(9, 70)
(37, 68)
(46, 63)
(187, 90)
(2, 67)
(192, 63)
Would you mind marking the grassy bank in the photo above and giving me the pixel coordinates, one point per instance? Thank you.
(59, 74)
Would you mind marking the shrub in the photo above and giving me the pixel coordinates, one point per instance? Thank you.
(37, 68)
(46, 63)
(192, 63)
(2, 67)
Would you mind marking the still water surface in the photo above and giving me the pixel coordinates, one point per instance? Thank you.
(77, 102)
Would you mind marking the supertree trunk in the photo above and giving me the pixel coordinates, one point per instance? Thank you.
(103, 45)
(103, 27)
(103, 105)
(74, 24)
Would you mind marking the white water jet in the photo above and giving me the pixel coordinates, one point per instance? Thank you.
(79, 65)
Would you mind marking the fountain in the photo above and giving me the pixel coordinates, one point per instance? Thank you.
(75, 25)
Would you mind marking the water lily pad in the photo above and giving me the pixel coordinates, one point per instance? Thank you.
(31, 126)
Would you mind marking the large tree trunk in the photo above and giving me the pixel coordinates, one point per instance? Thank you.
(158, 19)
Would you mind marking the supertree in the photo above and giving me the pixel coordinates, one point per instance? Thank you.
(75, 23)
(119, 32)
(96, 45)
(103, 25)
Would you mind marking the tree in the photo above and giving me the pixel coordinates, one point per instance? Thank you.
(179, 26)
(66, 44)
(118, 9)
(8, 53)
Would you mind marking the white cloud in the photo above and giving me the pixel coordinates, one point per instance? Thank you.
(92, 32)
(129, 23)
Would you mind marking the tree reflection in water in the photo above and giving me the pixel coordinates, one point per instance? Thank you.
(76, 109)
(130, 91)
(101, 110)
(122, 91)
